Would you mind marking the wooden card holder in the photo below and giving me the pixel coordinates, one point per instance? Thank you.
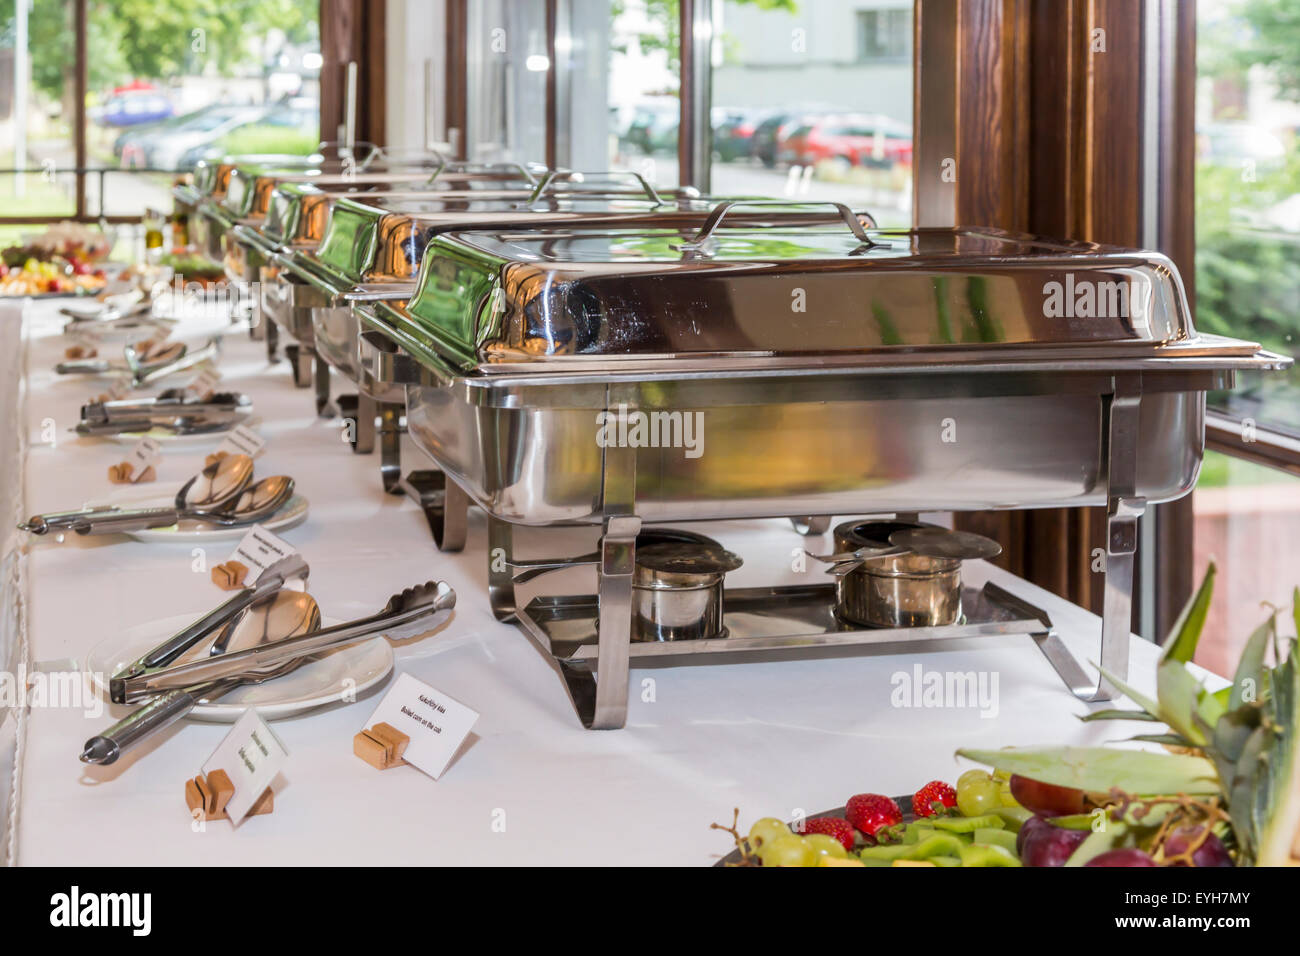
(121, 474)
(207, 796)
(229, 575)
(381, 746)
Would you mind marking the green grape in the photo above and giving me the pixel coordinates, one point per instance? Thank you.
(788, 851)
(765, 831)
(824, 844)
(977, 793)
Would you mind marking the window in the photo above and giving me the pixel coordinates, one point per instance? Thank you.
(622, 61)
(796, 113)
(167, 82)
(884, 34)
(37, 79)
(507, 64)
(1247, 515)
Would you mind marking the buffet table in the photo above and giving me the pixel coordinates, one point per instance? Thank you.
(530, 786)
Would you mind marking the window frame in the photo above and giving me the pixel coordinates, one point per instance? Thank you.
(356, 29)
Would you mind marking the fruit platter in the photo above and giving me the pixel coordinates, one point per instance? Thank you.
(67, 259)
(1217, 784)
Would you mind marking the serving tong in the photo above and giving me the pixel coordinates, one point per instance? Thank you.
(172, 688)
(167, 402)
(175, 410)
(143, 370)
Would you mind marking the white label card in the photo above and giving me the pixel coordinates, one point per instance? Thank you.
(436, 724)
(242, 440)
(251, 756)
(260, 549)
(146, 454)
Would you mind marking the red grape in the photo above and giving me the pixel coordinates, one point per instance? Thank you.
(1128, 856)
(1046, 799)
(1049, 845)
(1031, 825)
(1210, 853)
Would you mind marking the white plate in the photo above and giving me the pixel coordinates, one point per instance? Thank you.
(291, 515)
(348, 671)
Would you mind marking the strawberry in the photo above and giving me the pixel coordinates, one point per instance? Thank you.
(841, 830)
(871, 811)
(936, 791)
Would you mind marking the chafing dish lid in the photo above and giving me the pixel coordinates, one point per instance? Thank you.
(381, 237)
(548, 300)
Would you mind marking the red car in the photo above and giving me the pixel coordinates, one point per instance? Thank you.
(854, 140)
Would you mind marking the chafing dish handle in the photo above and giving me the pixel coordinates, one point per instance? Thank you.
(387, 362)
(252, 238)
(461, 167)
(291, 265)
(546, 186)
(701, 241)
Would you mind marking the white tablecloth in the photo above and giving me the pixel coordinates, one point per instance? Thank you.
(531, 786)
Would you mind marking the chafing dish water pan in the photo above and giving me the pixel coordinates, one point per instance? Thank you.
(614, 377)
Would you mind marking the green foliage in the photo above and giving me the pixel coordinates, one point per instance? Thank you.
(267, 139)
(154, 39)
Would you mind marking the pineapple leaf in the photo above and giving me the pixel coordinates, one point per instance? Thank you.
(1186, 632)
(1246, 680)
(1173, 740)
(1276, 803)
(1120, 715)
(1177, 691)
(1139, 772)
(1146, 703)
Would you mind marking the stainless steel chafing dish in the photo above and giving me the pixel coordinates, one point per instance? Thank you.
(616, 377)
(250, 191)
(371, 252)
(206, 196)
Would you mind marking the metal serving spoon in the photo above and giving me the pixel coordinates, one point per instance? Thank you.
(254, 503)
(283, 615)
(216, 485)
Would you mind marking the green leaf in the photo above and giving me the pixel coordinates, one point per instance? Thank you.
(1139, 772)
(1146, 703)
(1186, 632)
(1177, 690)
(1119, 715)
(1174, 740)
(1276, 800)
(1250, 663)
(1295, 609)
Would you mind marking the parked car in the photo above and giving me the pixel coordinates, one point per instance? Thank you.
(299, 115)
(763, 143)
(654, 127)
(850, 139)
(133, 109)
(733, 136)
(161, 145)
